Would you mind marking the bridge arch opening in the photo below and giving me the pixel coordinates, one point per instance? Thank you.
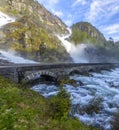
(41, 77)
(47, 78)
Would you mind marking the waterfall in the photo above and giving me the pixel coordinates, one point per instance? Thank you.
(75, 51)
(5, 19)
(12, 57)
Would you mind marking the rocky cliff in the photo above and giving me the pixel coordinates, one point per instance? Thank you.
(85, 32)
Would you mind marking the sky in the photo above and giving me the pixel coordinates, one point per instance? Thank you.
(103, 14)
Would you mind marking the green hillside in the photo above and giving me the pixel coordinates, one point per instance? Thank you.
(84, 32)
(23, 109)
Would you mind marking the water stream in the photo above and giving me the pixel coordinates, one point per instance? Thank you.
(100, 91)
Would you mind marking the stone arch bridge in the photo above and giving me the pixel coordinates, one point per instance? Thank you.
(31, 72)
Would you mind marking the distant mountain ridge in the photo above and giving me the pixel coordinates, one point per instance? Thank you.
(86, 31)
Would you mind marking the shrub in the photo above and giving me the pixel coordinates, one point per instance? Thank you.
(69, 81)
(59, 105)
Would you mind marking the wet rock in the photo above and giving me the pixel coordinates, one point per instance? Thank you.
(80, 83)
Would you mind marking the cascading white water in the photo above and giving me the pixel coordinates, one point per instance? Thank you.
(100, 89)
(11, 56)
(75, 51)
(5, 19)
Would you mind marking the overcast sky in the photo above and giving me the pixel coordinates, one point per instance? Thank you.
(103, 14)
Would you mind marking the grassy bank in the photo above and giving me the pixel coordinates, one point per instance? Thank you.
(24, 109)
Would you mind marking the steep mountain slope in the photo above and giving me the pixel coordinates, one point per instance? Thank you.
(85, 32)
(37, 13)
(32, 34)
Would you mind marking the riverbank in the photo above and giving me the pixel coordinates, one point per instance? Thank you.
(22, 108)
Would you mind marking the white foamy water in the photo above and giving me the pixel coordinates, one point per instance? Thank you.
(12, 57)
(46, 90)
(5, 19)
(100, 89)
(75, 51)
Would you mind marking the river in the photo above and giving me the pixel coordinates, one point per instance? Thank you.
(99, 91)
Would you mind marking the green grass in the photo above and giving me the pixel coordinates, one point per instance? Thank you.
(24, 109)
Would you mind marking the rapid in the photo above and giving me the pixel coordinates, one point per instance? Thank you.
(95, 101)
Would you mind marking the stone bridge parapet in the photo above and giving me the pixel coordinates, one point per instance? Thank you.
(34, 71)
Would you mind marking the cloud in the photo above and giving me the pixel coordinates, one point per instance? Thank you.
(53, 2)
(100, 9)
(116, 38)
(48, 3)
(69, 20)
(58, 13)
(77, 2)
(112, 29)
(95, 9)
